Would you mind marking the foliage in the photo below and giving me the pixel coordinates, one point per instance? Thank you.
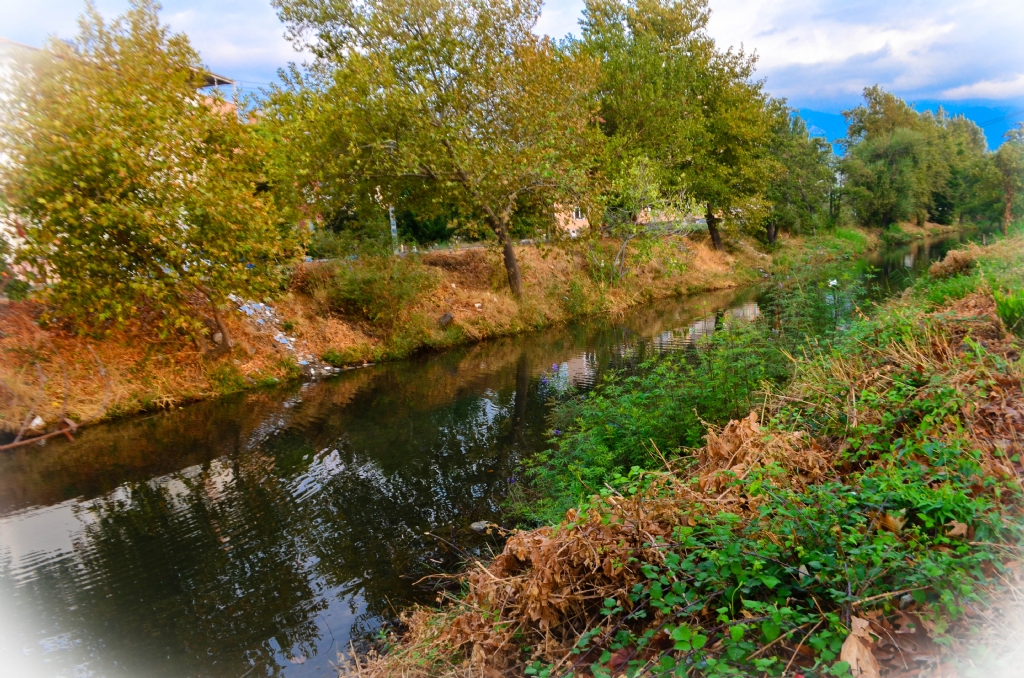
(1009, 161)
(136, 192)
(674, 105)
(478, 110)
(328, 244)
(881, 173)
(671, 399)
(800, 193)
(376, 289)
(902, 164)
(1010, 306)
(666, 405)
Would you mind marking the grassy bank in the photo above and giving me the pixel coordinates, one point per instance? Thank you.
(864, 518)
(350, 312)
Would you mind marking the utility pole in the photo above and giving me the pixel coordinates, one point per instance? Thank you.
(394, 227)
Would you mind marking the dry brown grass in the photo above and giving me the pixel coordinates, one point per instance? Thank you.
(955, 262)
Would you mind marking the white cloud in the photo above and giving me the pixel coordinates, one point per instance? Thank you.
(988, 89)
(815, 52)
(825, 52)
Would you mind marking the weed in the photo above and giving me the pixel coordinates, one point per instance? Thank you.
(377, 289)
(226, 378)
(1010, 306)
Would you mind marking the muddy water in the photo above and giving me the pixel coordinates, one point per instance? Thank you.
(257, 534)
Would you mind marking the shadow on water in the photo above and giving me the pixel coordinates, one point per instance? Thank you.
(261, 532)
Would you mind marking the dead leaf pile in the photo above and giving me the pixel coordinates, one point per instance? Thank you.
(741, 446)
(954, 263)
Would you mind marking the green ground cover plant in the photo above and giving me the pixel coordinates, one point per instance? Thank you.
(668, 402)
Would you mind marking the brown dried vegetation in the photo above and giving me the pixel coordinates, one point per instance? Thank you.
(955, 262)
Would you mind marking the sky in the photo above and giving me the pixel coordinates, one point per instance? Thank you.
(967, 55)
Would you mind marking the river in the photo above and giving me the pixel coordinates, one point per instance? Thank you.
(255, 535)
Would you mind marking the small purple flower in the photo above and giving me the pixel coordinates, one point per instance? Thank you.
(557, 432)
(554, 366)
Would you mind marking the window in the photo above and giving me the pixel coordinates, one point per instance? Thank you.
(577, 214)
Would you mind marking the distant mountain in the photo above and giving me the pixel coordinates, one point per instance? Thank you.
(995, 121)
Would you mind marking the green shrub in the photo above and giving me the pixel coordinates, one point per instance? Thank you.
(851, 235)
(347, 356)
(377, 289)
(327, 244)
(939, 292)
(576, 300)
(1010, 306)
(226, 378)
(894, 235)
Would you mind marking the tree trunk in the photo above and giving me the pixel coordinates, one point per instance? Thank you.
(773, 232)
(1007, 211)
(716, 237)
(214, 348)
(515, 276)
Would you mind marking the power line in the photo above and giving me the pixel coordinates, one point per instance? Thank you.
(995, 120)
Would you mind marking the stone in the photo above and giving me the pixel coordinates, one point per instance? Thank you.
(480, 526)
(445, 320)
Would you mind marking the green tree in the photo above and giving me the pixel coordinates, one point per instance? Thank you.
(1009, 160)
(730, 164)
(948, 152)
(457, 95)
(881, 113)
(138, 194)
(881, 172)
(670, 96)
(799, 194)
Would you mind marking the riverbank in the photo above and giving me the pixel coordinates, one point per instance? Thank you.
(867, 518)
(50, 374)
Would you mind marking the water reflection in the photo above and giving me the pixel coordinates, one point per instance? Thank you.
(257, 534)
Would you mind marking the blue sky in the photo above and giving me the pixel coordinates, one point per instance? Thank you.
(965, 54)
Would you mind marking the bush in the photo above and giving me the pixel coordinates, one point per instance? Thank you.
(377, 289)
(327, 244)
(1010, 306)
(135, 195)
(894, 235)
(939, 292)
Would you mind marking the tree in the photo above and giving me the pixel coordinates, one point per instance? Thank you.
(457, 95)
(880, 173)
(670, 96)
(138, 194)
(730, 164)
(881, 113)
(947, 154)
(799, 194)
(1009, 160)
